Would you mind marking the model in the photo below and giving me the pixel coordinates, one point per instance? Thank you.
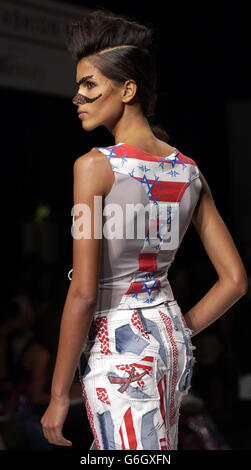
(141, 194)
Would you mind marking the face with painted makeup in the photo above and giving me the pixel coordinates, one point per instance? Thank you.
(101, 100)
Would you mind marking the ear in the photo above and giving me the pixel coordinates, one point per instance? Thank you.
(129, 91)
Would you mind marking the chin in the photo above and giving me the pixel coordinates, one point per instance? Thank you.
(90, 127)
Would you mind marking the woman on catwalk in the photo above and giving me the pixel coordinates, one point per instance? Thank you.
(120, 314)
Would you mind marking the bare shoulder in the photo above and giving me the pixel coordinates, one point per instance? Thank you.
(206, 205)
(205, 189)
(96, 169)
(93, 157)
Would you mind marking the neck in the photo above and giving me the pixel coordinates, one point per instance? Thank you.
(133, 127)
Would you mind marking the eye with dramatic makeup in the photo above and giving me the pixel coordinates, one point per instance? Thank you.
(92, 84)
(88, 85)
(80, 98)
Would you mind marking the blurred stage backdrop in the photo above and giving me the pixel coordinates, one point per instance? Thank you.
(204, 104)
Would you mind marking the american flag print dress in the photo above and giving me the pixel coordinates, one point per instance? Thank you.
(137, 363)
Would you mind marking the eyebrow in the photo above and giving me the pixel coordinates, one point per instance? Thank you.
(83, 79)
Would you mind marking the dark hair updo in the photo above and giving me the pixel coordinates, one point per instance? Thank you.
(122, 49)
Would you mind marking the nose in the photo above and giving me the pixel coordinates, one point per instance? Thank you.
(79, 99)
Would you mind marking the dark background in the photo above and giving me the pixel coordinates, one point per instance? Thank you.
(203, 63)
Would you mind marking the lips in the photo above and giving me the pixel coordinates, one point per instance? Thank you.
(82, 114)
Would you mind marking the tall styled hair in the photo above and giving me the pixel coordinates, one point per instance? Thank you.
(122, 49)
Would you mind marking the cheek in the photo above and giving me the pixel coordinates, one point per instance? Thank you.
(109, 107)
(104, 111)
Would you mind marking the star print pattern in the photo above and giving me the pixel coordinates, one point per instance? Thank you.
(149, 185)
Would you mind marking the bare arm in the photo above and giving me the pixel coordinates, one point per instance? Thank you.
(89, 180)
(219, 245)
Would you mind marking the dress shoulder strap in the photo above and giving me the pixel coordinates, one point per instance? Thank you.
(108, 151)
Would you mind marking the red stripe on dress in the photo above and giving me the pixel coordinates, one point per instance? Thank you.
(163, 444)
(140, 154)
(122, 439)
(130, 430)
(139, 365)
(147, 358)
(147, 262)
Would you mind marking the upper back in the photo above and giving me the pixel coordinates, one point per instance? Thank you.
(139, 245)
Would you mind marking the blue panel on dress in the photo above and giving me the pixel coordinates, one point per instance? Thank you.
(149, 436)
(87, 370)
(107, 430)
(83, 366)
(153, 327)
(128, 341)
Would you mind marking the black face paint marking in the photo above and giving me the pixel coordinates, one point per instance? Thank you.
(82, 99)
(83, 79)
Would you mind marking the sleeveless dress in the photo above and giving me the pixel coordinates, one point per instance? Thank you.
(137, 363)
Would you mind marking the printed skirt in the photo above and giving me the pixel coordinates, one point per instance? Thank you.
(135, 369)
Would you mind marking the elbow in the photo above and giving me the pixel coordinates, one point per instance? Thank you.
(237, 280)
(243, 288)
(88, 299)
(241, 285)
(238, 285)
